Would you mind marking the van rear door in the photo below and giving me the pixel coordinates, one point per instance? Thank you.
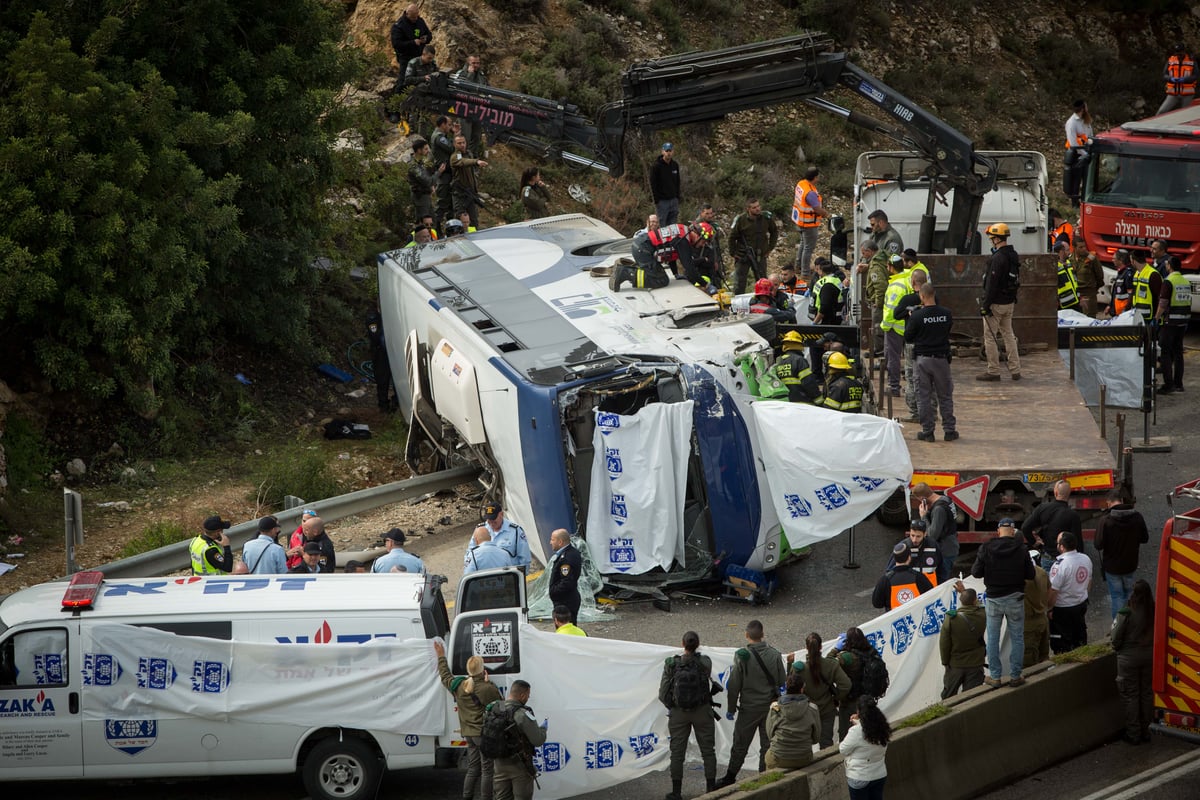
(41, 729)
(490, 611)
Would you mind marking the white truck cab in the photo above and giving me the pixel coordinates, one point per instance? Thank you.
(117, 679)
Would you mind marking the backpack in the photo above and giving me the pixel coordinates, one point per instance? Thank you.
(874, 681)
(498, 737)
(689, 684)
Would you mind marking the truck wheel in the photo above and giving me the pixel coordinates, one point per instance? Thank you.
(341, 770)
(894, 511)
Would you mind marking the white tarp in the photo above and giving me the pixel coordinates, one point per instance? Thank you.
(639, 477)
(383, 684)
(1119, 368)
(828, 470)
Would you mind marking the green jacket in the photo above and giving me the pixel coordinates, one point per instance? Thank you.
(962, 637)
(877, 279)
(470, 704)
(793, 726)
(748, 682)
(834, 687)
(665, 683)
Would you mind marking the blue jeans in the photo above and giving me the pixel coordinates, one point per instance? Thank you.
(1012, 608)
(1119, 587)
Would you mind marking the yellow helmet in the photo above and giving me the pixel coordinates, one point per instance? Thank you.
(792, 336)
(838, 361)
(998, 229)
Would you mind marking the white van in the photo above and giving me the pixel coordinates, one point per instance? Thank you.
(174, 677)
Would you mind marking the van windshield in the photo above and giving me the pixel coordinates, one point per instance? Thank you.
(1136, 181)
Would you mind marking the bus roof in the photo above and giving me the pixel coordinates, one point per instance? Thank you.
(194, 596)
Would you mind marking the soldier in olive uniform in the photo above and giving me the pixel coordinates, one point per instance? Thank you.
(681, 722)
(962, 645)
(754, 680)
(752, 237)
(514, 776)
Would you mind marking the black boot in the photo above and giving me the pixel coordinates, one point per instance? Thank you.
(676, 789)
(721, 783)
(712, 784)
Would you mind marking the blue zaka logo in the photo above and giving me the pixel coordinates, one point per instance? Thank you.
(130, 736)
(550, 757)
(902, 633)
(877, 640)
(602, 754)
(155, 673)
(210, 677)
(931, 620)
(48, 669)
(621, 551)
(612, 462)
(412, 739)
(643, 745)
(833, 496)
(868, 484)
(617, 509)
(797, 506)
(100, 669)
(607, 421)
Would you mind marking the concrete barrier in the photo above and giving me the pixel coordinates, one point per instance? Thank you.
(990, 738)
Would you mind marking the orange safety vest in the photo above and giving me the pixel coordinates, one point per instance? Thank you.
(1066, 228)
(804, 215)
(1181, 67)
(904, 592)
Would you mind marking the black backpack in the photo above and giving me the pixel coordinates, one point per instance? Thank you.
(874, 681)
(690, 685)
(498, 738)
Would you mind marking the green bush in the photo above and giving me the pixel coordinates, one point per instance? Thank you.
(303, 473)
(665, 13)
(159, 534)
(28, 460)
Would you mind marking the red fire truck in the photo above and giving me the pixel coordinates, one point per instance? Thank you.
(1141, 183)
(1176, 672)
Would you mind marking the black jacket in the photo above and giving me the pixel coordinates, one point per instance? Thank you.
(664, 180)
(1118, 534)
(1004, 565)
(999, 282)
(564, 579)
(1050, 519)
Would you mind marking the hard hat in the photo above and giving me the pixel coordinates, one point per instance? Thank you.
(838, 361)
(998, 229)
(792, 337)
(454, 225)
(705, 230)
(764, 286)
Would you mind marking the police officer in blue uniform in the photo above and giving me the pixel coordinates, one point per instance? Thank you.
(508, 536)
(396, 557)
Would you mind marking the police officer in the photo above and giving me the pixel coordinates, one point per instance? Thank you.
(310, 561)
(754, 682)
(962, 645)
(1068, 285)
(682, 722)
(893, 329)
(843, 391)
(1147, 287)
(514, 776)
(1174, 312)
(753, 236)
(484, 554)
(925, 556)
(901, 584)
(396, 557)
(794, 370)
(508, 536)
(210, 550)
(928, 330)
(827, 296)
(565, 567)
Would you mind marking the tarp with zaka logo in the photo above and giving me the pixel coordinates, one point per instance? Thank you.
(639, 480)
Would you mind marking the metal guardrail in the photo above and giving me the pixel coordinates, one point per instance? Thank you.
(175, 556)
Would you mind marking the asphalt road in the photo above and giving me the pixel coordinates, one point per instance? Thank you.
(820, 595)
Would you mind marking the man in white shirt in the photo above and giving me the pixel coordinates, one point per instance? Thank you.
(1070, 577)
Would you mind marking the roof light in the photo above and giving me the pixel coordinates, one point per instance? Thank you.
(82, 590)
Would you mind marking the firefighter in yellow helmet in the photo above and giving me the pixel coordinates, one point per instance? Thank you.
(843, 391)
(795, 372)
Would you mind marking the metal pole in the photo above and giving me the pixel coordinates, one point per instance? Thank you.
(1147, 384)
(73, 526)
(1103, 411)
(850, 562)
(1071, 347)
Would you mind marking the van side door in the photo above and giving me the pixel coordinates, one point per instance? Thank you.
(41, 727)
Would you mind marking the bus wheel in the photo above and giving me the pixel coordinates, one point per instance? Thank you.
(894, 511)
(342, 770)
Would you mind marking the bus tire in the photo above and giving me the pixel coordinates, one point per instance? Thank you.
(894, 511)
(345, 769)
